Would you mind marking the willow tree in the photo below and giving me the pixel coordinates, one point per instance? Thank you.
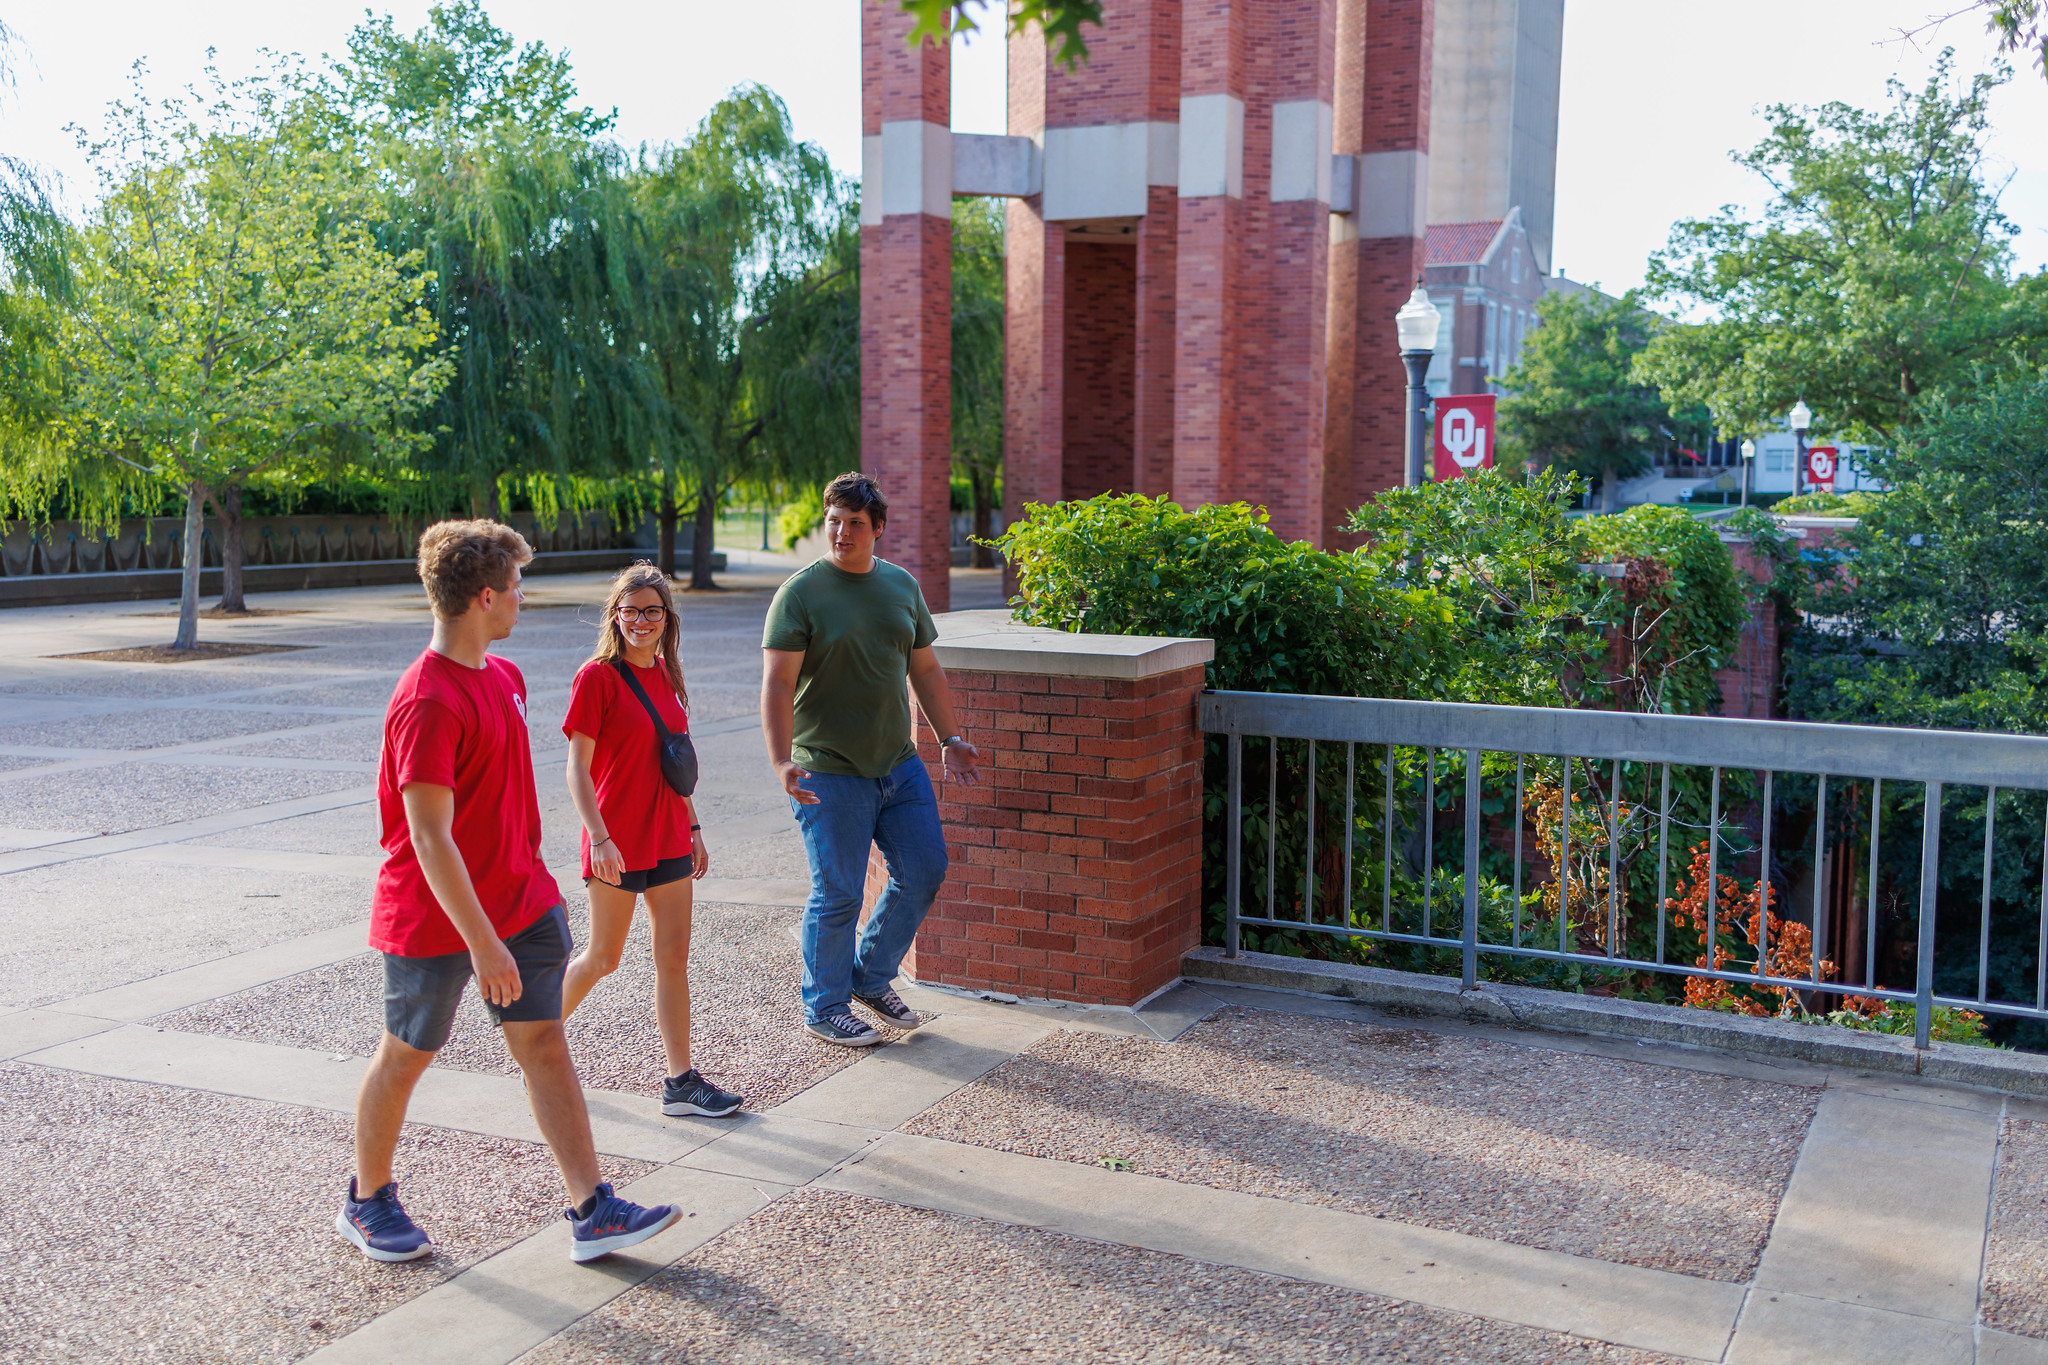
(518, 208)
(747, 329)
(223, 313)
(978, 306)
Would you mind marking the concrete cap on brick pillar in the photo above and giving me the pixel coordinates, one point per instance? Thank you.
(990, 642)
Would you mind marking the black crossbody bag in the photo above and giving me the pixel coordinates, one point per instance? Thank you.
(678, 756)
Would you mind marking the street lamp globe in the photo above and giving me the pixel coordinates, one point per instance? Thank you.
(1802, 416)
(1748, 450)
(1417, 322)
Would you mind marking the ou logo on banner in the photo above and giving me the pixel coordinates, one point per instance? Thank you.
(1464, 434)
(1820, 467)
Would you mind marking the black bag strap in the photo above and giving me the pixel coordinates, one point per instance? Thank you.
(625, 671)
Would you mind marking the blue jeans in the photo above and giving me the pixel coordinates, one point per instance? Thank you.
(897, 814)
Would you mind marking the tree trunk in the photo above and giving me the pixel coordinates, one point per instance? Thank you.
(981, 556)
(1607, 482)
(188, 594)
(227, 506)
(701, 537)
(483, 497)
(668, 524)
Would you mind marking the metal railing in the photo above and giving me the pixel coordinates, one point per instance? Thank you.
(1404, 740)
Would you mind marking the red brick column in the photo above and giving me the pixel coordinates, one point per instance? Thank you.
(906, 284)
(1382, 113)
(1076, 861)
(1152, 424)
(1749, 685)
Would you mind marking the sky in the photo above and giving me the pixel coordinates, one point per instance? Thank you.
(1656, 92)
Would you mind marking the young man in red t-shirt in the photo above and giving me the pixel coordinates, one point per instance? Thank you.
(463, 892)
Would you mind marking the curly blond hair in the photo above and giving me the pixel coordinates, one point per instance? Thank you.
(459, 559)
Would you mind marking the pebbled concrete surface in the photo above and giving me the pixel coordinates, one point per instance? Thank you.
(826, 1276)
(1620, 1161)
(177, 1226)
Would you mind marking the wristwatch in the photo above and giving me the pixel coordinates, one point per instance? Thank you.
(950, 740)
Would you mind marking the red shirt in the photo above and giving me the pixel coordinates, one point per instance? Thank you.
(642, 813)
(465, 729)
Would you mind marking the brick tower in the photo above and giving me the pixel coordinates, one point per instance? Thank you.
(1212, 223)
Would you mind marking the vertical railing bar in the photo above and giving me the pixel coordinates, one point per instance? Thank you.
(1387, 850)
(1233, 861)
(1930, 880)
(1763, 889)
(1870, 927)
(1308, 901)
(1613, 859)
(2041, 949)
(1663, 858)
(1713, 869)
(1428, 838)
(1350, 817)
(1984, 928)
(1471, 930)
(1272, 825)
(1564, 856)
(1522, 758)
(1820, 872)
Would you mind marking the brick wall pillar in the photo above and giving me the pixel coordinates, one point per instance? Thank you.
(1152, 425)
(1284, 330)
(1382, 116)
(1749, 685)
(1209, 254)
(1076, 861)
(906, 284)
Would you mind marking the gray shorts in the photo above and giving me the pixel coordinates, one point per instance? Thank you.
(421, 993)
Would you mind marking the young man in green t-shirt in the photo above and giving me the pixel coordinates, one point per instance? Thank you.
(843, 636)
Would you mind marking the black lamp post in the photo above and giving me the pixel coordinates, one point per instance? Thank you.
(1416, 326)
(1802, 422)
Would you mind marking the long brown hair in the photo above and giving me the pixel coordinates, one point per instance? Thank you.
(611, 642)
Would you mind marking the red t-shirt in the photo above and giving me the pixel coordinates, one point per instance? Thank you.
(642, 813)
(462, 728)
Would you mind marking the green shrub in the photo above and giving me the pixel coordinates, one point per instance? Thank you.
(1285, 617)
(1856, 504)
(798, 519)
(1681, 611)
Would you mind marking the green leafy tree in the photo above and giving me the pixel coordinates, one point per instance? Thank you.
(978, 309)
(1940, 618)
(749, 346)
(501, 185)
(1501, 558)
(1060, 20)
(1878, 274)
(226, 314)
(1574, 402)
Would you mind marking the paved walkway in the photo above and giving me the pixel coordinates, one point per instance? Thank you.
(185, 1007)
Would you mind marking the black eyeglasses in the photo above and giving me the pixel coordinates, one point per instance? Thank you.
(642, 613)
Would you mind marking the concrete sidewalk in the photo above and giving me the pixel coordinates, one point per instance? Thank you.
(185, 1006)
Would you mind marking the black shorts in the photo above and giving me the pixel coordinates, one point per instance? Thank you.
(421, 993)
(661, 874)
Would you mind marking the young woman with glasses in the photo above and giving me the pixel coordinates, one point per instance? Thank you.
(641, 838)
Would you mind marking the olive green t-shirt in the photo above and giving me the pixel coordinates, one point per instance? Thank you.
(856, 631)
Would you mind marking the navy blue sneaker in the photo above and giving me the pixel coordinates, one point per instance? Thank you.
(844, 1029)
(894, 1012)
(379, 1226)
(690, 1093)
(613, 1224)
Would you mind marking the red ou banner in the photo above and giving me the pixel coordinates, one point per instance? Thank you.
(1820, 467)
(1464, 434)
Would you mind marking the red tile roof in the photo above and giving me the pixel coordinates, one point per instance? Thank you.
(1458, 243)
